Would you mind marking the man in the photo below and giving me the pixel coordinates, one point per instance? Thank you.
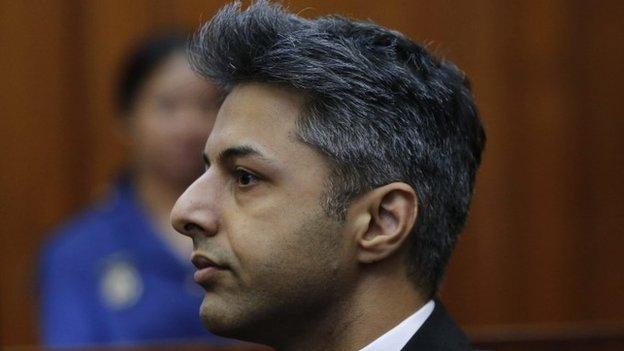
(338, 176)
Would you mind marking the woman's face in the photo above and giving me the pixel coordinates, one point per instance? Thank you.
(171, 118)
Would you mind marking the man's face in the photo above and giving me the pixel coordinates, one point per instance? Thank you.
(256, 214)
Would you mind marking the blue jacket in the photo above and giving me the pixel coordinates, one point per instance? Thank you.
(106, 277)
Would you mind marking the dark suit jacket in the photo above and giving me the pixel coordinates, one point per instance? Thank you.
(438, 333)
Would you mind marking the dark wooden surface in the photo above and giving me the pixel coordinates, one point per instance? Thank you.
(545, 241)
(579, 336)
(593, 336)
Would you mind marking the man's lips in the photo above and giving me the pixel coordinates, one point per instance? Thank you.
(202, 261)
(207, 270)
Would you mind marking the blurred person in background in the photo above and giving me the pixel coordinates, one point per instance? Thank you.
(117, 273)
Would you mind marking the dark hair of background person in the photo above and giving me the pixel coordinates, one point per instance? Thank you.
(142, 62)
(380, 108)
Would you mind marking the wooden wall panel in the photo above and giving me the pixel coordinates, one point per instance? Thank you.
(544, 240)
(544, 143)
(37, 149)
(601, 115)
(519, 225)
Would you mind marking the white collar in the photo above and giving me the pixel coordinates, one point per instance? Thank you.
(397, 337)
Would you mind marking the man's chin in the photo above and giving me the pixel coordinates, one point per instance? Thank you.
(216, 318)
(223, 320)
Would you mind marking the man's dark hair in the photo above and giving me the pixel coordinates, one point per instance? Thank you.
(379, 107)
(145, 57)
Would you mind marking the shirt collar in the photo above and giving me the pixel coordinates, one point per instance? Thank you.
(398, 336)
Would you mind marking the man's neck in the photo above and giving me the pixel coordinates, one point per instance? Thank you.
(381, 301)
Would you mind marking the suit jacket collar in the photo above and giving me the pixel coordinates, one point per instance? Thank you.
(438, 333)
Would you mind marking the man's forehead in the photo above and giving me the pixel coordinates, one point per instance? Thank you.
(256, 114)
(261, 100)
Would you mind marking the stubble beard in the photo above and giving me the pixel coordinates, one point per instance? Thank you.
(291, 295)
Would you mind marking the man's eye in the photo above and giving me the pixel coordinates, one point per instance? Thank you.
(245, 178)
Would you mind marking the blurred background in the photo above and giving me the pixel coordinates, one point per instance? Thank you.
(542, 256)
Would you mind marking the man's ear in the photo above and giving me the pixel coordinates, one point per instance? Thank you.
(384, 217)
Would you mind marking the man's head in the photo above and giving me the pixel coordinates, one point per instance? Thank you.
(340, 145)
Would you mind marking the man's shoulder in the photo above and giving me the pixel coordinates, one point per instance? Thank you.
(439, 332)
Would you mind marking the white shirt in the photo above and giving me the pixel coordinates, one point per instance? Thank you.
(397, 337)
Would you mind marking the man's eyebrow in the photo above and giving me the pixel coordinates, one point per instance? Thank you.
(230, 154)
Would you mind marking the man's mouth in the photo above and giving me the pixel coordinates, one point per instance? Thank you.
(207, 270)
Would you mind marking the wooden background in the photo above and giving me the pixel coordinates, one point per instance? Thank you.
(544, 245)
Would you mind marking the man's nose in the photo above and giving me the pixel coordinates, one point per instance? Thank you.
(194, 214)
